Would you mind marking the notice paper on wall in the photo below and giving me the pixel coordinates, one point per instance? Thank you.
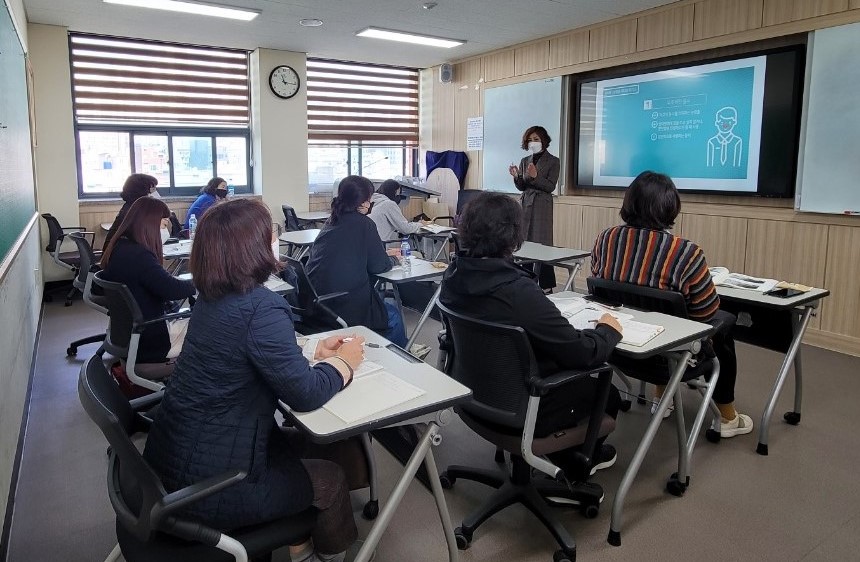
(475, 133)
(371, 394)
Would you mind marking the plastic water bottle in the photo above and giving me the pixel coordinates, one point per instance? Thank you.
(406, 255)
(192, 226)
(231, 191)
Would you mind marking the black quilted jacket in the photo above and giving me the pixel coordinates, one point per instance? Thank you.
(240, 355)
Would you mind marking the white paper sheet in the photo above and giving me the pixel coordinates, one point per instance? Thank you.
(371, 394)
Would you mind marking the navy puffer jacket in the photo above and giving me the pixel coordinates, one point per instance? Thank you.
(240, 356)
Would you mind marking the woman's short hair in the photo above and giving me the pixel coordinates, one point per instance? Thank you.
(232, 250)
(142, 224)
(651, 201)
(540, 132)
(491, 226)
(212, 186)
(351, 193)
(137, 186)
(389, 188)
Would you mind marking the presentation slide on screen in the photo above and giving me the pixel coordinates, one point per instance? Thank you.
(701, 125)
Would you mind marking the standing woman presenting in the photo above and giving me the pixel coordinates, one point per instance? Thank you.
(536, 177)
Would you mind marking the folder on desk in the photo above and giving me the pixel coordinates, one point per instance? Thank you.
(639, 333)
(371, 394)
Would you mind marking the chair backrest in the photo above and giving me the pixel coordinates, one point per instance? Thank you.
(87, 257)
(306, 301)
(637, 296)
(495, 361)
(124, 315)
(291, 221)
(134, 489)
(55, 232)
(464, 196)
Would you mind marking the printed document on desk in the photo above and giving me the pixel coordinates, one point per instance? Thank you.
(371, 394)
(583, 314)
(722, 276)
(437, 228)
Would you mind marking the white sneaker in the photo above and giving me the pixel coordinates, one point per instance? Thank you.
(741, 425)
(668, 411)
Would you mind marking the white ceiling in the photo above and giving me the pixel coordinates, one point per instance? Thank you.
(485, 24)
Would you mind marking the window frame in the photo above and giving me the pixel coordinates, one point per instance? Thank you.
(169, 132)
(354, 148)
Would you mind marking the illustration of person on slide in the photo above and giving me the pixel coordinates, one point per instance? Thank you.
(725, 148)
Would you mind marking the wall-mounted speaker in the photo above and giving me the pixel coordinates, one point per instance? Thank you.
(446, 73)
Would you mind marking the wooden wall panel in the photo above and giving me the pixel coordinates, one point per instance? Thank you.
(443, 116)
(723, 239)
(841, 308)
(721, 17)
(594, 221)
(567, 226)
(612, 40)
(467, 103)
(569, 49)
(783, 11)
(669, 27)
(498, 66)
(854, 4)
(533, 57)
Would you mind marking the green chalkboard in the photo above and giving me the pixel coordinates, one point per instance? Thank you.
(17, 194)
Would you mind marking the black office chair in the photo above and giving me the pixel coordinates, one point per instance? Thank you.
(497, 363)
(312, 317)
(149, 524)
(463, 197)
(122, 337)
(83, 282)
(67, 260)
(291, 221)
(657, 371)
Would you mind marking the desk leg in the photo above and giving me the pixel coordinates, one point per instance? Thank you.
(680, 366)
(424, 315)
(421, 454)
(573, 271)
(799, 324)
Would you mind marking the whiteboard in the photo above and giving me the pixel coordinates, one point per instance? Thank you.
(508, 112)
(828, 167)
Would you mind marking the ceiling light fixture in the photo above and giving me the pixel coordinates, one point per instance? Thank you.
(377, 33)
(190, 8)
(311, 22)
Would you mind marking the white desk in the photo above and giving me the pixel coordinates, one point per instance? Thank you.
(422, 270)
(301, 240)
(178, 250)
(798, 310)
(313, 216)
(680, 339)
(440, 393)
(443, 236)
(273, 283)
(559, 257)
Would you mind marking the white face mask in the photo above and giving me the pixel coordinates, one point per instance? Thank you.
(154, 194)
(535, 147)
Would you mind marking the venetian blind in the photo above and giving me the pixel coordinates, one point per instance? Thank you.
(132, 81)
(361, 102)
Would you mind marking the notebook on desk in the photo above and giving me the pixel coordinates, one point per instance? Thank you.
(583, 315)
(437, 228)
(371, 394)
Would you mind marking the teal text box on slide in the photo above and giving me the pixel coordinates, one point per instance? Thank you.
(666, 124)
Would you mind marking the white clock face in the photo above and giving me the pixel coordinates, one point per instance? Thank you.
(284, 82)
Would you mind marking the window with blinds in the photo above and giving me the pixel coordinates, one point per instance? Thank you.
(354, 101)
(120, 81)
(362, 119)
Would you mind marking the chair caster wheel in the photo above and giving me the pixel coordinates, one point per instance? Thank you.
(464, 539)
(761, 449)
(371, 510)
(641, 399)
(68, 303)
(675, 487)
(590, 511)
(446, 481)
(792, 417)
(562, 556)
(614, 538)
(625, 405)
(500, 456)
(713, 436)
(71, 351)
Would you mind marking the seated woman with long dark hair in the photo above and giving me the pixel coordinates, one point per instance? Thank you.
(484, 282)
(345, 256)
(240, 358)
(135, 187)
(134, 257)
(665, 261)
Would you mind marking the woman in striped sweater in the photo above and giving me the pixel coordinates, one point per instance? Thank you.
(643, 251)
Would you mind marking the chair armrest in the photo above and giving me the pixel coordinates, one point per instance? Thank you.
(331, 296)
(146, 402)
(541, 386)
(74, 229)
(446, 217)
(190, 531)
(199, 490)
(176, 315)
